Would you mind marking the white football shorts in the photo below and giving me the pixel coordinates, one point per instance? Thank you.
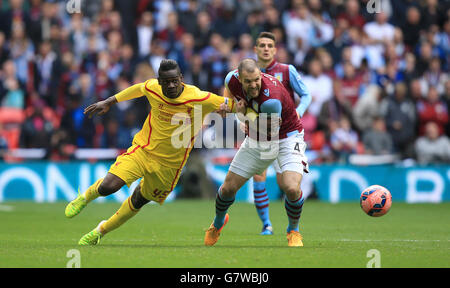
(287, 154)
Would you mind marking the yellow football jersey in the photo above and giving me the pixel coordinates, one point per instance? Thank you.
(169, 131)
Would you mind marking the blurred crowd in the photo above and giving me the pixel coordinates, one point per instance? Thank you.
(378, 79)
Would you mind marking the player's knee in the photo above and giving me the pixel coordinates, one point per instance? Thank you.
(292, 192)
(110, 184)
(107, 188)
(259, 178)
(137, 199)
(228, 190)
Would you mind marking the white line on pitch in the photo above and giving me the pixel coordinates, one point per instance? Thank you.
(6, 208)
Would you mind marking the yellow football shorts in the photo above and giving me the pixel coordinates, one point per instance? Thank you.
(157, 180)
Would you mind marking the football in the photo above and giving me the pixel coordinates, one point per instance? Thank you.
(376, 200)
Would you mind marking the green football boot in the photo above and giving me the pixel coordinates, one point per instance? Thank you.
(92, 238)
(75, 207)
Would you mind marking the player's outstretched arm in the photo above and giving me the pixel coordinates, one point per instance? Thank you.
(100, 107)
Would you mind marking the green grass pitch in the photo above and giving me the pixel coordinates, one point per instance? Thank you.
(171, 235)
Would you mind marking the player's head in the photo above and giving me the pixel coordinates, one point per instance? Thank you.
(250, 77)
(265, 47)
(170, 78)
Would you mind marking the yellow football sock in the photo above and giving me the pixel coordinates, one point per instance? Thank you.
(92, 192)
(125, 212)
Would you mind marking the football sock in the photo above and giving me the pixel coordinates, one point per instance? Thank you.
(261, 202)
(92, 192)
(125, 212)
(222, 205)
(293, 211)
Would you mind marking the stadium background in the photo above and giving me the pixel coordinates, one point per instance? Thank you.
(379, 83)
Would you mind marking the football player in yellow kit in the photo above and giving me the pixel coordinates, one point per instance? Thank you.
(153, 155)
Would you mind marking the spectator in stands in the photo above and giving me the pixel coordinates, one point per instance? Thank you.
(380, 30)
(215, 58)
(412, 28)
(319, 85)
(197, 75)
(334, 109)
(298, 23)
(409, 72)
(171, 35)
(245, 47)
(12, 92)
(425, 54)
(203, 30)
(400, 115)
(388, 77)
(350, 84)
(145, 32)
(326, 61)
(344, 140)
(434, 13)
(15, 14)
(22, 50)
(79, 129)
(367, 108)
(432, 148)
(112, 137)
(352, 14)
(273, 21)
(127, 61)
(339, 41)
(377, 141)
(14, 97)
(36, 131)
(47, 72)
(416, 91)
(188, 15)
(432, 109)
(321, 31)
(227, 26)
(434, 76)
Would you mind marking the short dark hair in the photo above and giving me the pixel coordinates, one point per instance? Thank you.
(167, 65)
(248, 65)
(266, 34)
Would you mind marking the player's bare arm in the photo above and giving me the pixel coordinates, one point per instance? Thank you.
(101, 107)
